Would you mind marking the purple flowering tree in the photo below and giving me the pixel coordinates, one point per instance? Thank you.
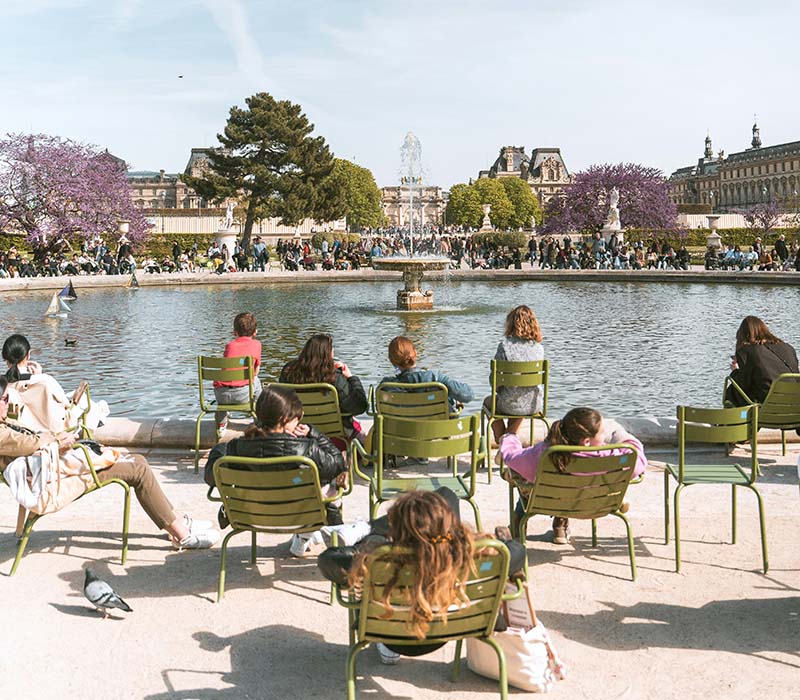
(53, 188)
(643, 200)
(764, 215)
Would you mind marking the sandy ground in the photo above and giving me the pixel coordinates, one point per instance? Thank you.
(720, 629)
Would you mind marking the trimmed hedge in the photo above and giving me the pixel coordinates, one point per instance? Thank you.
(331, 236)
(697, 236)
(509, 239)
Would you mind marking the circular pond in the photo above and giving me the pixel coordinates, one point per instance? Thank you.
(624, 348)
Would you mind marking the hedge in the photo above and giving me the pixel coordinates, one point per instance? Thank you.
(509, 239)
(331, 236)
(698, 236)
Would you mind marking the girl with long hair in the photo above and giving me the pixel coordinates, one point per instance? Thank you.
(761, 357)
(579, 427)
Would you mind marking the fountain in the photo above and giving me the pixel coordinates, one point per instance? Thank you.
(411, 297)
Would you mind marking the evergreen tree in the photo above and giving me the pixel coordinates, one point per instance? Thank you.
(269, 159)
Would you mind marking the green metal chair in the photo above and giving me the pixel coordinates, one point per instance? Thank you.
(320, 407)
(24, 531)
(278, 495)
(592, 487)
(422, 438)
(369, 621)
(781, 408)
(404, 400)
(227, 369)
(716, 426)
(514, 374)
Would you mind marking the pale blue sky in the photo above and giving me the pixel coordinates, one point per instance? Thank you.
(606, 81)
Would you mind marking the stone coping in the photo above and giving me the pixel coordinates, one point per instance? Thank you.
(161, 433)
(695, 275)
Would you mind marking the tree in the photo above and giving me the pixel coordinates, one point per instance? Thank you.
(360, 196)
(526, 206)
(268, 157)
(643, 200)
(764, 215)
(57, 188)
(464, 206)
(492, 192)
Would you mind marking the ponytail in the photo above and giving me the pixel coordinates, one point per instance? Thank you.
(15, 350)
(575, 427)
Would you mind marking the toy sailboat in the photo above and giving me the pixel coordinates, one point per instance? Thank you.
(58, 308)
(133, 283)
(68, 292)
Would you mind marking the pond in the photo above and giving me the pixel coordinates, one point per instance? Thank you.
(624, 348)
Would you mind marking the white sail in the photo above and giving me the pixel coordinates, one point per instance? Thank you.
(55, 309)
(62, 305)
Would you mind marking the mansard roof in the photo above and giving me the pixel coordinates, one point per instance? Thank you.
(777, 151)
(518, 158)
(540, 155)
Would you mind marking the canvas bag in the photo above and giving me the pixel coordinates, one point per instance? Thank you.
(531, 660)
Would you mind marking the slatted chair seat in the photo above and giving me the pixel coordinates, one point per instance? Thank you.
(431, 439)
(505, 373)
(719, 426)
(369, 621)
(592, 486)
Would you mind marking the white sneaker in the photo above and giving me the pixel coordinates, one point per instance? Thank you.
(199, 540)
(388, 657)
(196, 526)
(306, 544)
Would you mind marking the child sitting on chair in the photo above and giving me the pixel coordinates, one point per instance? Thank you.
(244, 344)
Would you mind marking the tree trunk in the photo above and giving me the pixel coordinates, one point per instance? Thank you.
(248, 225)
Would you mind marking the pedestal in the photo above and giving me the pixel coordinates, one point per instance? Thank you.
(228, 237)
(606, 233)
(414, 301)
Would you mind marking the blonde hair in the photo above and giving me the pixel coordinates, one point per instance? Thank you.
(521, 323)
(402, 352)
(441, 556)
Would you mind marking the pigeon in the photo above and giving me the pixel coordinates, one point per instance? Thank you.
(101, 595)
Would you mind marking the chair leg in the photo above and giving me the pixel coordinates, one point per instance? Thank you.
(22, 515)
(762, 522)
(351, 669)
(223, 562)
(501, 662)
(783, 441)
(26, 533)
(523, 529)
(197, 442)
(456, 662)
(733, 513)
(511, 516)
(678, 490)
(477, 513)
(126, 517)
(631, 550)
(594, 532)
(253, 547)
(666, 507)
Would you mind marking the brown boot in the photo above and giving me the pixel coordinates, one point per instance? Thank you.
(560, 530)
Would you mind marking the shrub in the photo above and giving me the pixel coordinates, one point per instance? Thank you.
(509, 239)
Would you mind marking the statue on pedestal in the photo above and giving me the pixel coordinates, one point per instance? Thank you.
(227, 223)
(612, 220)
(486, 225)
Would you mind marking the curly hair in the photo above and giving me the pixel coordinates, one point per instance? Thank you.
(314, 363)
(521, 323)
(441, 556)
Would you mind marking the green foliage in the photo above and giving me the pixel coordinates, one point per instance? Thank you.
(502, 239)
(492, 192)
(268, 157)
(464, 206)
(697, 236)
(359, 193)
(526, 206)
(331, 236)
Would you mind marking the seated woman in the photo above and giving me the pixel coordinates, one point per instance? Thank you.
(316, 364)
(403, 356)
(17, 441)
(280, 434)
(760, 358)
(47, 405)
(580, 426)
(522, 343)
(443, 549)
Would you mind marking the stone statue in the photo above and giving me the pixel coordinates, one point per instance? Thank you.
(486, 225)
(612, 220)
(227, 224)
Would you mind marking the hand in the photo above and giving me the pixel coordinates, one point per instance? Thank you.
(734, 363)
(34, 367)
(341, 480)
(344, 368)
(301, 430)
(66, 441)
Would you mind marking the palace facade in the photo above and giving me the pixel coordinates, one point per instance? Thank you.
(162, 190)
(545, 170)
(757, 174)
(429, 205)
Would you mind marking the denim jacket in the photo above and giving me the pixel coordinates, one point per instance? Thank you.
(456, 391)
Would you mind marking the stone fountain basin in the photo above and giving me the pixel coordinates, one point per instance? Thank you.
(410, 264)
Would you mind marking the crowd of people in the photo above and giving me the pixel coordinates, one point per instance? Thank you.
(757, 257)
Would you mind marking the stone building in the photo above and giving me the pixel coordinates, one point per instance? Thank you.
(757, 174)
(162, 190)
(429, 204)
(545, 170)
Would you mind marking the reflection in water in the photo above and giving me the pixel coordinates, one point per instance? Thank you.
(624, 348)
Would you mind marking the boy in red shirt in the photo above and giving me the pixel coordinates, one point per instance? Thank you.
(244, 344)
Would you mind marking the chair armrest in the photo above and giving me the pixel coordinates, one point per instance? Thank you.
(330, 499)
(371, 411)
(516, 594)
(89, 463)
(211, 497)
(357, 448)
(730, 381)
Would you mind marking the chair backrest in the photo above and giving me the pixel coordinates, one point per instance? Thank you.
(224, 369)
(270, 494)
(320, 407)
(782, 405)
(484, 588)
(405, 400)
(591, 486)
(519, 374)
(718, 426)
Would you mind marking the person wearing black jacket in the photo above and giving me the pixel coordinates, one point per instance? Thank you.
(760, 359)
(280, 433)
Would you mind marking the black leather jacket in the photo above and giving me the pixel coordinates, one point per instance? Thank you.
(315, 446)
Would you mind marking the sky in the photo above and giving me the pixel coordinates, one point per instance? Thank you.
(606, 82)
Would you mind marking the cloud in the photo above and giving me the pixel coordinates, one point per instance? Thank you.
(231, 18)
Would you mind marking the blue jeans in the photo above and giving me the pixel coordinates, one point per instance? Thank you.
(233, 394)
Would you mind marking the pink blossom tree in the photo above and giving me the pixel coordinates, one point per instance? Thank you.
(643, 200)
(53, 188)
(764, 215)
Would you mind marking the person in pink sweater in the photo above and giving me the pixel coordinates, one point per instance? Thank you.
(580, 426)
(245, 328)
